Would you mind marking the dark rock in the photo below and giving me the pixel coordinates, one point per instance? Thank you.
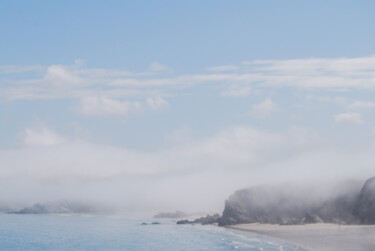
(365, 207)
(155, 223)
(144, 223)
(209, 219)
(184, 222)
(35, 209)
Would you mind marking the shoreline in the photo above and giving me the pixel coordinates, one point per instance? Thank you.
(318, 236)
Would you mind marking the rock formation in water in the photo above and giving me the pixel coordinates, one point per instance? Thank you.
(293, 205)
(209, 219)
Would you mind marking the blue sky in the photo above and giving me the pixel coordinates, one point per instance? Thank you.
(179, 93)
(188, 35)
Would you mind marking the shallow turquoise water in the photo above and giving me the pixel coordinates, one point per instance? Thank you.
(74, 232)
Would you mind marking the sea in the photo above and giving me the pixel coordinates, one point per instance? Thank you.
(102, 232)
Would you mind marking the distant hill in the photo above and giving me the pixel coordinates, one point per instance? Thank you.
(57, 208)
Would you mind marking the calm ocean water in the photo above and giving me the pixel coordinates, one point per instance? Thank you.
(74, 232)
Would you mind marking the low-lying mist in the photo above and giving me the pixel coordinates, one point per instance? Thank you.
(194, 176)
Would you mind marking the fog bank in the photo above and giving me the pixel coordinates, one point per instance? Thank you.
(195, 175)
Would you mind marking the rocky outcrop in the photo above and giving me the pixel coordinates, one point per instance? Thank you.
(274, 205)
(209, 219)
(293, 205)
(365, 207)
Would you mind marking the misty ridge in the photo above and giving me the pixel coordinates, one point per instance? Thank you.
(350, 202)
(57, 207)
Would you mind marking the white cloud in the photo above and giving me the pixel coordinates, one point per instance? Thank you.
(157, 103)
(233, 146)
(264, 108)
(237, 91)
(142, 83)
(224, 68)
(237, 145)
(362, 105)
(328, 99)
(317, 66)
(41, 136)
(348, 118)
(62, 76)
(104, 106)
(158, 67)
(77, 81)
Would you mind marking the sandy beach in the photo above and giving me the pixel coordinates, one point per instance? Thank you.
(319, 236)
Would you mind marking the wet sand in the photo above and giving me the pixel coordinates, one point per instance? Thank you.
(320, 236)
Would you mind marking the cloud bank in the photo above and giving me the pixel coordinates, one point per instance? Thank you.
(194, 175)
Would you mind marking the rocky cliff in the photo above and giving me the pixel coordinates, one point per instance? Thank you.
(209, 219)
(294, 205)
(365, 207)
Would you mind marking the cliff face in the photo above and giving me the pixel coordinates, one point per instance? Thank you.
(293, 205)
(264, 205)
(365, 208)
